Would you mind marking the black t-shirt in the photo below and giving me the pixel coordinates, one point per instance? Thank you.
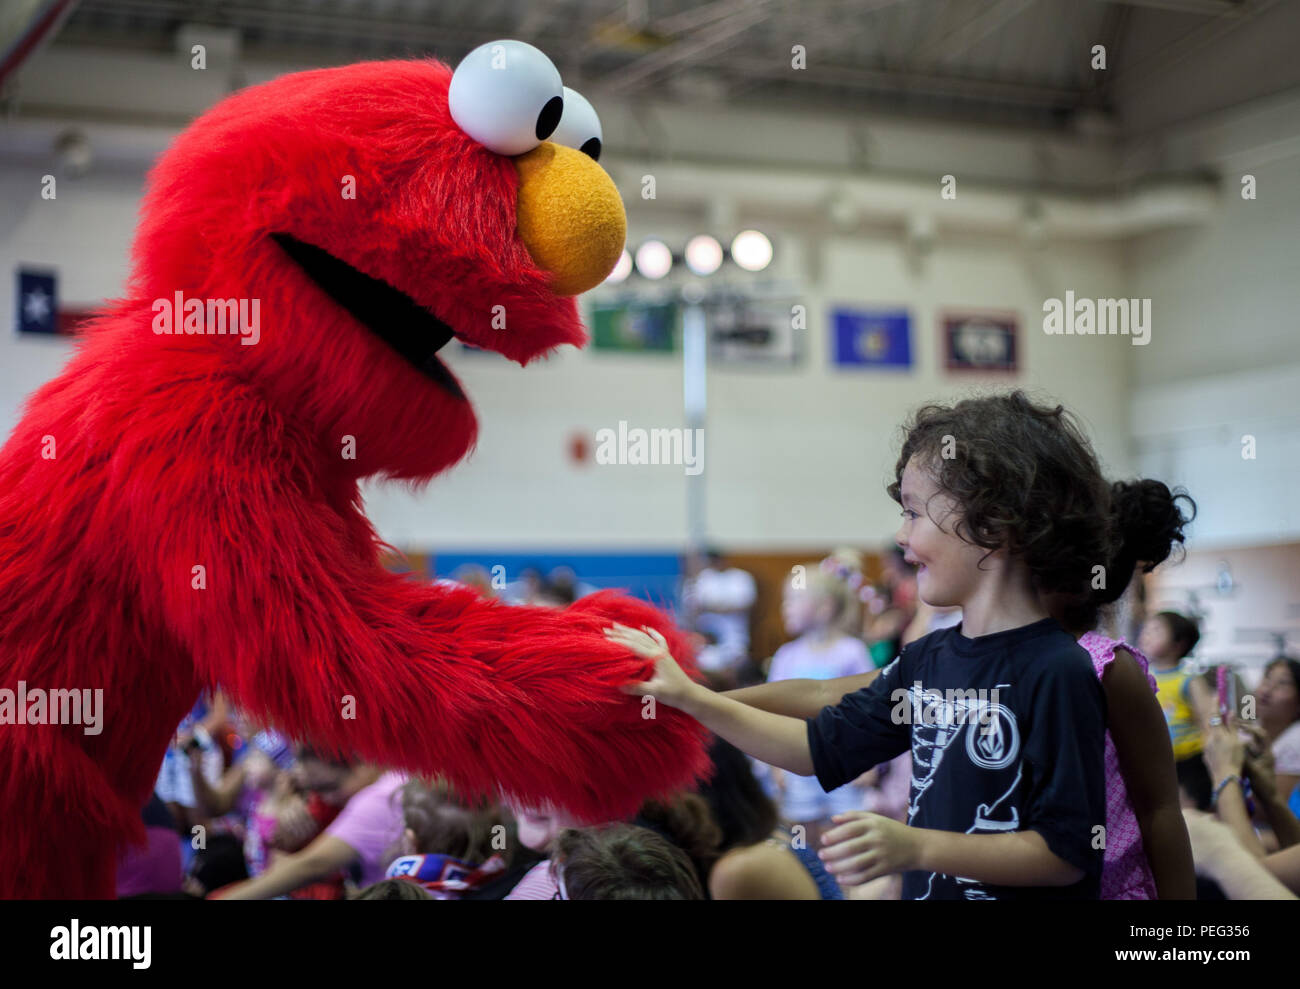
(1006, 733)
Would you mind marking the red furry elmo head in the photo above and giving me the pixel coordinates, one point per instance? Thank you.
(369, 228)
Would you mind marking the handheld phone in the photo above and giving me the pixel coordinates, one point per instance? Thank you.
(1227, 685)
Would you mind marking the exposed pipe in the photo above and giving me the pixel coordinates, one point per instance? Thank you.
(26, 25)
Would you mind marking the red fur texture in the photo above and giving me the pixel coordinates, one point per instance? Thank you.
(172, 452)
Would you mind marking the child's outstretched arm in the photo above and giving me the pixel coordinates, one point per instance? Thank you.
(773, 738)
(865, 846)
(800, 698)
(1146, 761)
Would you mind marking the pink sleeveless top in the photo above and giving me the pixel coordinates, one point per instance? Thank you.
(1125, 873)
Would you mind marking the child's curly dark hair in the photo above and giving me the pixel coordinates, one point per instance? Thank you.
(1025, 479)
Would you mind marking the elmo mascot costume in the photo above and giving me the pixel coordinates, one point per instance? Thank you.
(179, 508)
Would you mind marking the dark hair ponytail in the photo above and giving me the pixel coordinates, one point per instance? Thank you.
(1148, 528)
(1147, 525)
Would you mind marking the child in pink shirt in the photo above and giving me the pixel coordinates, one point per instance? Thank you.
(1125, 872)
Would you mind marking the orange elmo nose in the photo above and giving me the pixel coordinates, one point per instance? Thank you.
(569, 216)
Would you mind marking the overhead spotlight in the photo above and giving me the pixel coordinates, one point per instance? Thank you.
(703, 255)
(751, 250)
(621, 270)
(654, 259)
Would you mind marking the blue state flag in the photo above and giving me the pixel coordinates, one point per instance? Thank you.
(872, 338)
(38, 301)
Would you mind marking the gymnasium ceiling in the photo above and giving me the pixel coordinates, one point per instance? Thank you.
(1016, 62)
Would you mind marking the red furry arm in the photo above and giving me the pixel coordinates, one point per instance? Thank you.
(306, 632)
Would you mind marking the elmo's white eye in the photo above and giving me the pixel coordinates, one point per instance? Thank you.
(507, 96)
(579, 126)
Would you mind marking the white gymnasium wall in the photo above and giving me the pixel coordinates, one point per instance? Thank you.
(791, 457)
(84, 233)
(1224, 360)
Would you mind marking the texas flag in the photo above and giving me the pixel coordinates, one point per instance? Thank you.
(38, 301)
(873, 338)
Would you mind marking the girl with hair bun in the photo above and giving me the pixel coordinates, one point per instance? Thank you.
(1147, 851)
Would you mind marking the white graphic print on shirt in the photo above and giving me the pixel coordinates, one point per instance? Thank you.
(992, 743)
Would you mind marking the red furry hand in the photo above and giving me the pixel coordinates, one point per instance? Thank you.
(517, 700)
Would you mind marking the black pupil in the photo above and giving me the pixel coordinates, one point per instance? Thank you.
(592, 148)
(549, 118)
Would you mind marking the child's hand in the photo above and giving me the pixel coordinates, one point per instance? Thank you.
(669, 684)
(867, 846)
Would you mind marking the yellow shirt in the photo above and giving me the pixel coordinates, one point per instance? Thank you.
(1172, 693)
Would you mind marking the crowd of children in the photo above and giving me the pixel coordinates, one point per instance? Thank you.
(971, 726)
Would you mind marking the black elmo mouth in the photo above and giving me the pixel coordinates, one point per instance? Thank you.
(390, 314)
